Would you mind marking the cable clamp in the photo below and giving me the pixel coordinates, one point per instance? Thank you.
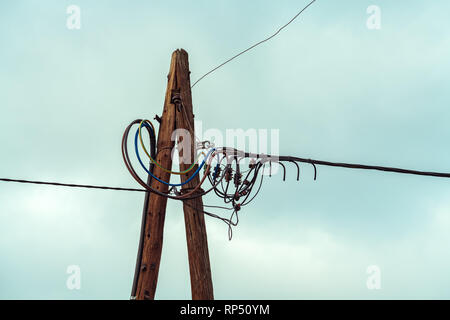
(174, 190)
(205, 144)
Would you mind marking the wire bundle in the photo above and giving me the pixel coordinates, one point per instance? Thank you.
(221, 168)
(228, 171)
(173, 194)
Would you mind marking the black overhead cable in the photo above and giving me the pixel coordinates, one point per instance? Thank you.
(353, 165)
(72, 185)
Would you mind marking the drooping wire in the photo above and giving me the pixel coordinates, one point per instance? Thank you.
(162, 181)
(193, 194)
(144, 216)
(148, 122)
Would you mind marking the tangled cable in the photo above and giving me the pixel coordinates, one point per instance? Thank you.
(221, 168)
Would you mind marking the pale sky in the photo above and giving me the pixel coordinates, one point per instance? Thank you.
(336, 90)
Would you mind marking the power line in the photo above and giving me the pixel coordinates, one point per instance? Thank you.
(255, 45)
(369, 167)
(341, 164)
(72, 185)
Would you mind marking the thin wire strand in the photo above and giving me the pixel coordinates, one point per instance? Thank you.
(255, 45)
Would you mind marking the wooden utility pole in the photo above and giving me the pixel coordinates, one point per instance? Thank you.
(156, 213)
(197, 244)
(177, 113)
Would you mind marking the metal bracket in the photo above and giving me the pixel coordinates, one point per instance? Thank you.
(176, 99)
(157, 118)
(205, 144)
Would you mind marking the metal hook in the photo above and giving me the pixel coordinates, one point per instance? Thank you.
(315, 170)
(298, 169)
(284, 171)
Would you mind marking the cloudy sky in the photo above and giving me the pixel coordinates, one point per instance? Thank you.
(336, 91)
